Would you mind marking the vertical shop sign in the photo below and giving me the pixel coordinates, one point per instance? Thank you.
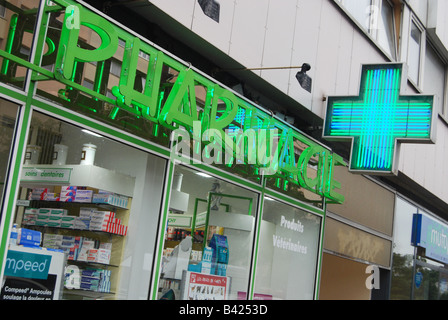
(378, 118)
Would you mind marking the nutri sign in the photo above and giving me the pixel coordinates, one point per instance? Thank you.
(431, 235)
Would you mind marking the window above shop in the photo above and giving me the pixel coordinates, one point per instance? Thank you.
(377, 19)
(415, 52)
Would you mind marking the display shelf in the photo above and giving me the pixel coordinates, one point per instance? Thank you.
(82, 294)
(92, 178)
(78, 175)
(93, 233)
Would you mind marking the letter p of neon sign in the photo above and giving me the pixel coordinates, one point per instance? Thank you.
(378, 118)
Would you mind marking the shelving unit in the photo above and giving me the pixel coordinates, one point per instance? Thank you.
(92, 178)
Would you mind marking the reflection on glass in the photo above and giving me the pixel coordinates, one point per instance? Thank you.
(288, 247)
(208, 241)
(414, 276)
(17, 26)
(360, 9)
(8, 115)
(403, 252)
(429, 285)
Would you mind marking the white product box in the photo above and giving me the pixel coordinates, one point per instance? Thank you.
(206, 267)
(81, 223)
(44, 211)
(86, 212)
(68, 188)
(103, 256)
(31, 211)
(84, 196)
(67, 199)
(58, 212)
(51, 196)
(85, 247)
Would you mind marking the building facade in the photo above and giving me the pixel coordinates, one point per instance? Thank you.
(175, 150)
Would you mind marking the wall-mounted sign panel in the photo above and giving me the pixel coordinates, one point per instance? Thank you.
(431, 235)
(378, 118)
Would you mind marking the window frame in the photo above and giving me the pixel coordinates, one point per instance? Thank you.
(422, 52)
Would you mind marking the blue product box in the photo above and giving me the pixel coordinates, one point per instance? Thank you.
(195, 267)
(29, 238)
(207, 255)
(220, 249)
(221, 269)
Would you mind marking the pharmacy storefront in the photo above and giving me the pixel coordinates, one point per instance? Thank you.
(126, 173)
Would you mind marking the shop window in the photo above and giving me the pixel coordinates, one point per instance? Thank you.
(208, 241)
(8, 116)
(287, 253)
(87, 212)
(376, 17)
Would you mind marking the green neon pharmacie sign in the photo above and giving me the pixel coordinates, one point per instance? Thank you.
(221, 110)
(379, 118)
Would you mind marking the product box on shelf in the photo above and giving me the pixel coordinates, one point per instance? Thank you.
(51, 196)
(54, 221)
(81, 223)
(99, 255)
(68, 222)
(39, 193)
(206, 263)
(220, 249)
(95, 280)
(86, 212)
(84, 250)
(68, 244)
(44, 211)
(41, 220)
(84, 196)
(111, 198)
(30, 216)
(221, 269)
(29, 238)
(58, 212)
(103, 216)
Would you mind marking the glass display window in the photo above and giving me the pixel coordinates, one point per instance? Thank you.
(288, 247)
(86, 216)
(208, 241)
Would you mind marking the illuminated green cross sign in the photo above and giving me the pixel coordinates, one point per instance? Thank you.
(377, 118)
